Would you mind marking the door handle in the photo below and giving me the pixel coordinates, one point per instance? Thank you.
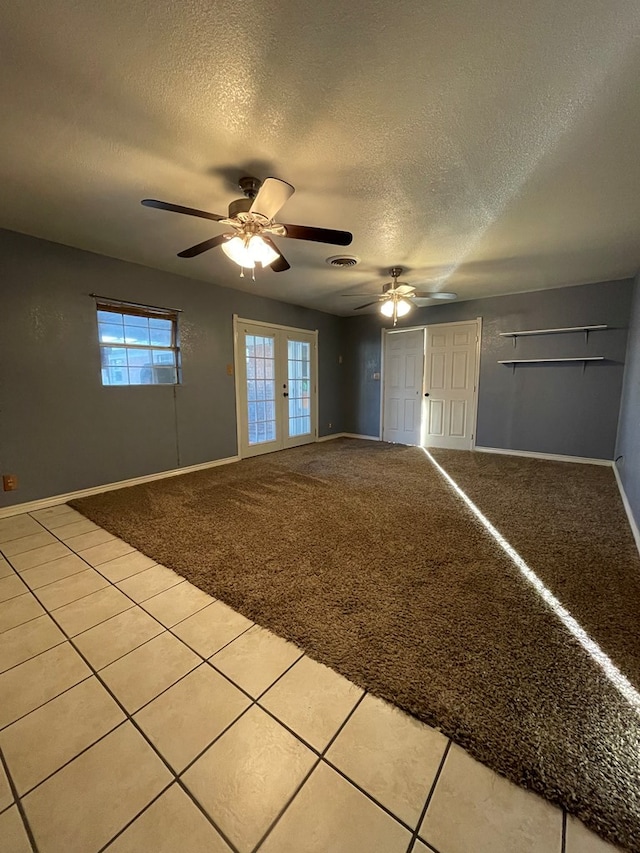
(426, 393)
(284, 394)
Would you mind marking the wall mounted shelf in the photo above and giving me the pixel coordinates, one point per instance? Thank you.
(566, 329)
(584, 360)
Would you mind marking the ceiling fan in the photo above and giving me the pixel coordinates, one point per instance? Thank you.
(397, 296)
(252, 221)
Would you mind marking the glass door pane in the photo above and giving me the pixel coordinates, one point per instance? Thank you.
(261, 388)
(299, 381)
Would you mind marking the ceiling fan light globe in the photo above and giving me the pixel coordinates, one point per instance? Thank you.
(402, 307)
(236, 250)
(248, 253)
(262, 252)
(387, 308)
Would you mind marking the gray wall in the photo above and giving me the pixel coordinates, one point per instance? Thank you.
(544, 408)
(61, 430)
(628, 445)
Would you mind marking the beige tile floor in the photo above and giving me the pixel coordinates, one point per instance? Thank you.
(139, 714)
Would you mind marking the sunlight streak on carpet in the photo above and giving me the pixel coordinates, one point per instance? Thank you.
(613, 674)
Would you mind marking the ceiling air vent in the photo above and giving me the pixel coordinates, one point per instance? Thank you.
(343, 261)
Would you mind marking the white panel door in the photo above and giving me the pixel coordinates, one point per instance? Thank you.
(276, 387)
(450, 378)
(403, 383)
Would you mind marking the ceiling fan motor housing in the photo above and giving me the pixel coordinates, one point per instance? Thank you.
(239, 205)
(249, 186)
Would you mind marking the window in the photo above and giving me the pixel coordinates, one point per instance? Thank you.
(138, 345)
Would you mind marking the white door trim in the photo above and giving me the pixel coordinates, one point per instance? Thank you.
(383, 332)
(476, 383)
(237, 319)
(236, 322)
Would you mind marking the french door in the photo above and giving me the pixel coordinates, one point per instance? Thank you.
(276, 386)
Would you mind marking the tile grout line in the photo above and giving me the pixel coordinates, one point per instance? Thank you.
(59, 580)
(26, 621)
(77, 755)
(369, 796)
(140, 813)
(165, 628)
(169, 629)
(204, 606)
(41, 566)
(134, 723)
(129, 717)
(29, 550)
(18, 802)
(13, 597)
(436, 779)
(253, 701)
(42, 705)
(140, 604)
(304, 781)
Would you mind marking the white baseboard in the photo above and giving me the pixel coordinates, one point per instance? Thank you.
(363, 437)
(627, 508)
(332, 436)
(43, 503)
(554, 457)
(349, 435)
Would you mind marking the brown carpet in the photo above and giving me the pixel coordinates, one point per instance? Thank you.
(363, 555)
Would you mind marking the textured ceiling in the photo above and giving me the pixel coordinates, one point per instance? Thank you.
(488, 146)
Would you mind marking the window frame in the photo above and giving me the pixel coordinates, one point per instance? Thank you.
(124, 309)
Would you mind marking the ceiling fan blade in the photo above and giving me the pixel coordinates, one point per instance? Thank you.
(280, 264)
(199, 248)
(366, 305)
(178, 208)
(437, 295)
(271, 196)
(319, 235)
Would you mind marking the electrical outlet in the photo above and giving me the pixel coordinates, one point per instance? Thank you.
(9, 482)
(330, 426)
